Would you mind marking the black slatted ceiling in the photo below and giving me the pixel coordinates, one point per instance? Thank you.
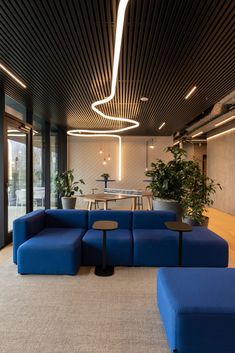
(63, 51)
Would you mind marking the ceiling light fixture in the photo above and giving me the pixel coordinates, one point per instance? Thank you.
(176, 143)
(197, 134)
(100, 151)
(144, 99)
(9, 73)
(190, 92)
(221, 133)
(109, 157)
(134, 124)
(161, 126)
(225, 121)
(151, 145)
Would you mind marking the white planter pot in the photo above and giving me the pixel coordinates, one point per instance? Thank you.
(68, 203)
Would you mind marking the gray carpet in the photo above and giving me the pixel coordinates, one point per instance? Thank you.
(80, 314)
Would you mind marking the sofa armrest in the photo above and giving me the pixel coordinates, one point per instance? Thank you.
(25, 227)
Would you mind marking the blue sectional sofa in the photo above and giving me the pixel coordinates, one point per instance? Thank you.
(59, 241)
(197, 307)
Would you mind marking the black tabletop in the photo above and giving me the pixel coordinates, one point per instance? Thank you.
(178, 226)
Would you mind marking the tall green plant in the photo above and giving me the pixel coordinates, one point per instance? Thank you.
(198, 191)
(183, 181)
(167, 178)
(65, 184)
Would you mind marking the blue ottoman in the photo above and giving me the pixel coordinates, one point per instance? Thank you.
(197, 307)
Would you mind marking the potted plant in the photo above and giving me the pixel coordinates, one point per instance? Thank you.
(106, 177)
(168, 181)
(66, 187)
(198, 191)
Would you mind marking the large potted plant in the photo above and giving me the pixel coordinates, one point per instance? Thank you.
(67, 187)
(167, 181)
(197, 196)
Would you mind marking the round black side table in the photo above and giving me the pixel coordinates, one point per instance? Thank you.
(179, 227)
(105, 226)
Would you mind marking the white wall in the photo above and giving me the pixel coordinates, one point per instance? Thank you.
(221, 167)
(84, 158)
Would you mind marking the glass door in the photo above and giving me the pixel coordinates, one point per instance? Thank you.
(17, 138)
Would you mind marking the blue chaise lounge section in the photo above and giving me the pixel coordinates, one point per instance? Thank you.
(204, 248)
(49, 242)
(119, 241)
(197, 307)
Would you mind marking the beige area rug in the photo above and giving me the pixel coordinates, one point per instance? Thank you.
(80, 314)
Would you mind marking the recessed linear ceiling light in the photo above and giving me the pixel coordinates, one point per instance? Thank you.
(12, 75)
(225, 121)
(134, 124)
(198, 134)
(190, 92)
(221, 133)
(144, 99)
(161, 126)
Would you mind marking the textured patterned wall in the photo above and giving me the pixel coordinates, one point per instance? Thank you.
(221, 167)
(84, 158)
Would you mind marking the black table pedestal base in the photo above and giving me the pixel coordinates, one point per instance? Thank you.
(104, 272)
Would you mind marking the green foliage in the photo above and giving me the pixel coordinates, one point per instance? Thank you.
(106, 176)
(198, 191)
(167, 178)
(183, 181)
(65, 184)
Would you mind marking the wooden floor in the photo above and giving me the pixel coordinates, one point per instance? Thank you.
(221, 223)
(224, 225)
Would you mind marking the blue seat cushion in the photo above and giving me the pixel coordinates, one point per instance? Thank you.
(155, 247)
(152, 219)
(124, 218)
(119, 247)
(203, 248)
(51, 251)
(197, 307)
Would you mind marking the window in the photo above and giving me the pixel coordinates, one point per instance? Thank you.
(54, 167)
(14, 108)
(38, 164)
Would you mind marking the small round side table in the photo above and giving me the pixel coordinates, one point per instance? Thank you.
(105, 226)
(179, 227)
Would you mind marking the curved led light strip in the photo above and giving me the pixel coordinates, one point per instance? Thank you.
(134, 124)
(118, 41)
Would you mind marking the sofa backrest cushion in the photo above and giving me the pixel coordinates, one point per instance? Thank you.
(152, 219)
(26, 227)
(124, 218)
(66, 219)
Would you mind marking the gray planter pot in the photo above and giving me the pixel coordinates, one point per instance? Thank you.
(194, 223)
(168, 205)
(68, 203)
